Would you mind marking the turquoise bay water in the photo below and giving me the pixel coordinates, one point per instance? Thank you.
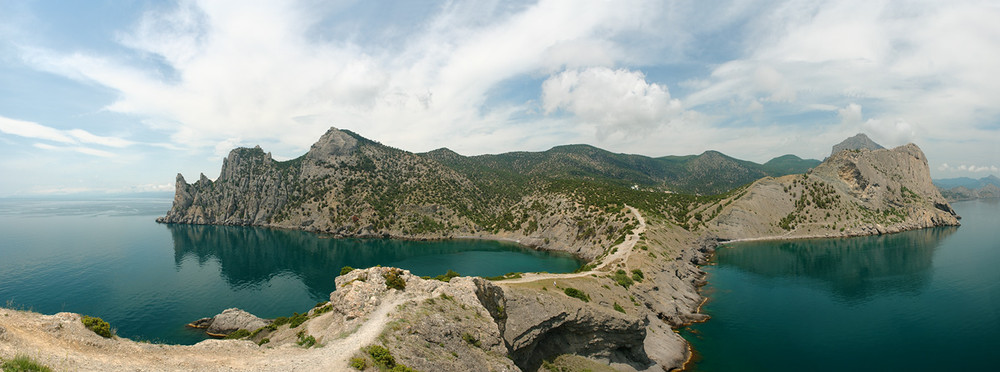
(919, 300)
(111, 259)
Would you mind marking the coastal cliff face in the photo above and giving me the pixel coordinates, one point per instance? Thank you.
(643, 283)
(854, 192)
(349, 186)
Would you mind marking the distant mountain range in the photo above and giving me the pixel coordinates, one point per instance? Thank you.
(709, 173)
(971, 183)
(965, 188)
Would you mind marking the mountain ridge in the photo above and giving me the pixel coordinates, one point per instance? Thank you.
(644, 242)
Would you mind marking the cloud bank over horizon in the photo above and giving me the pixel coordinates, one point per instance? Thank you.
(94, 102)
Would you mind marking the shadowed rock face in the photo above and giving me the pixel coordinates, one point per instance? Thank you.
(568, 326)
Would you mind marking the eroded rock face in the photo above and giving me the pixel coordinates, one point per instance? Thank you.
(541, 326)
(249, 191)
(229, 321)
(470, 322)
(858, 192)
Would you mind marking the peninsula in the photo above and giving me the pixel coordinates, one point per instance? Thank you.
(644, 224)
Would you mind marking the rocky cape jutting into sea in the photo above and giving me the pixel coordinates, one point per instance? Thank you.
(644, 223)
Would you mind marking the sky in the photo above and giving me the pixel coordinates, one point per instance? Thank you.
(119, 96)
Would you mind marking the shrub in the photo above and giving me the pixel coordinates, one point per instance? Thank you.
(447, 276)
(345, 270)
(619, 308)
(576, 293)
(637, 275)
(263, 341)
(98, 325)
(23, 363)
(394, 279)
(381, 356)
(306, 340)
(297, 320)
(279, 321)
(325, 309)
(359, 363)
(585, 268)
(238, 334)
(471, 340)
(621, 278)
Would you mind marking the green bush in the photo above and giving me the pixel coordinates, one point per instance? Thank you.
(297, 320)
(263, 341)
(471, 340)
(394, 279)
(345, 270)
(576, 293)
(359, 363)
(621, 278)
(23, 363)
(238, 334)
(322, 310)
(306, 340)
(383, 359)
(619, 308)
(637, 275)
(98, 325)
(447, 276)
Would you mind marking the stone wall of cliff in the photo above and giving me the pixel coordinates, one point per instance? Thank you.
(854, 192)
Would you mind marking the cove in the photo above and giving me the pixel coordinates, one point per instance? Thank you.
(109, 258)
(918, 300)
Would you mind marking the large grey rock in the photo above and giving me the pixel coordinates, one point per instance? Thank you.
(229, 321)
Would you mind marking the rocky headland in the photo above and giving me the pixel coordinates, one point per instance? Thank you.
(644, 245)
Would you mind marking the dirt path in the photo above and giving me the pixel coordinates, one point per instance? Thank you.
(621, 255)
(61, 342)
(341, 350)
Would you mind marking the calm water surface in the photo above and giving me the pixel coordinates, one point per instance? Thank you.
(920, 300)
(110, 259)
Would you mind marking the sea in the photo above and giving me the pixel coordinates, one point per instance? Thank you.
(924, 300)
(108, 258)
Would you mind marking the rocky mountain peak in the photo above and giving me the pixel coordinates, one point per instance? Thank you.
(860, 141)
(333, 143)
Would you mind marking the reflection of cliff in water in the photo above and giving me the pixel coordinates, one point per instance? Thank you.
(853, 268)
(251, 256)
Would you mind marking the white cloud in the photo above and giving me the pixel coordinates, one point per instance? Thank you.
(969, 168)
(79, 149)
(924, 71)
(29, 129)
(850, 115)
(612, 100)
(245, 74)
(890, 133)
(70, 137)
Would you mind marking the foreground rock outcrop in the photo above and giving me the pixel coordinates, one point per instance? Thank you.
(229, 321)
(621, 313)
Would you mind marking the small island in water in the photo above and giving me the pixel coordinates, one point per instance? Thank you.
(642, 225)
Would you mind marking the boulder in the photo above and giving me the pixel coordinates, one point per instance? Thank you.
(229, 321)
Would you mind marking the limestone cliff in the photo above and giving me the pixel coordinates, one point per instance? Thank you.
(347, 185)
(854, 192)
